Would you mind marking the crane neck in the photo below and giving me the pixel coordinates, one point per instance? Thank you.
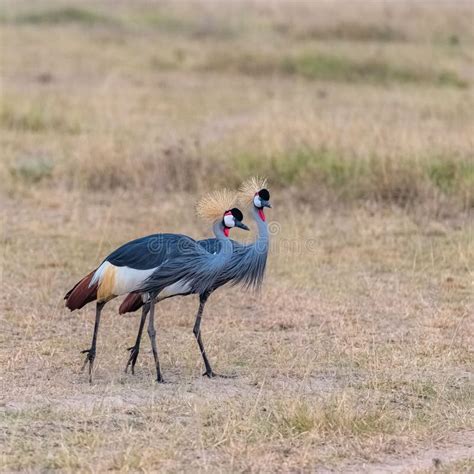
(262, 226)
(225, 243)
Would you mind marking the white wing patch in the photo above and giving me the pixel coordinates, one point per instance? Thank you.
(125, 279)
(178, 288)
(128, 279)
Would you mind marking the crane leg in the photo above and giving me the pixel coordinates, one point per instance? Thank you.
(91, 352)
(135, 350)
(152, 334)
(197, 333)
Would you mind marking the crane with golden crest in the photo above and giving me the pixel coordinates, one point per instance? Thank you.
(246, 266)
(159, 266)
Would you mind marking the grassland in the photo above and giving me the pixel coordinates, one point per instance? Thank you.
(357, 354)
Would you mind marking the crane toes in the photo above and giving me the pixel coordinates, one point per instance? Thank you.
(211, 374)
(132, 360)
(90, 357)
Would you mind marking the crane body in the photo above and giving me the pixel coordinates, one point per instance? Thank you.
(246, 266)
(150, 264)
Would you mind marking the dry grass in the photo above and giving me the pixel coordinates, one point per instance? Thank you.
(374, 117)
(357, 355)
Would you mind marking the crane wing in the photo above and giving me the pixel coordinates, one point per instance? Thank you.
(194, 267)
(150, 251)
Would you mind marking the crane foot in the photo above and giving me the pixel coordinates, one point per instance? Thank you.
(132, 360)
(211, 374)
(90, 357)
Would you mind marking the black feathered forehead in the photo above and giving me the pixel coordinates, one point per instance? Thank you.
(264, 194)
(237, 213)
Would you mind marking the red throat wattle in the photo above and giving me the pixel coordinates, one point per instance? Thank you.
(226, 231)
(261, 214)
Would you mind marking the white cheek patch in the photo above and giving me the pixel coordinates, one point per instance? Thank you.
(229, 220)
(257, 201)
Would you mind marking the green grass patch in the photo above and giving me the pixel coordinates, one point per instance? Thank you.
(333, 417)
(340, 68)
(389, 179)
(63, 15)
(344, 31)
(163, 21)
(32, 169)
(329, 67)
(195, 26)
(305, 166)
(454, 177)
(449, 174)
(326, 67)
(450, 79)
(34, 118)
(296, 421)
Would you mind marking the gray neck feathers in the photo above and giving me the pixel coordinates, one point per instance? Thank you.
(262, 241)
(225, 244)
(248, 262)
(256, 260)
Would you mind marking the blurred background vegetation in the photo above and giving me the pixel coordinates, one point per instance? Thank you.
(340, 100)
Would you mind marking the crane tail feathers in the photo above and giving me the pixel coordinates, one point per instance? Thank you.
(81, 293)
(131, 303)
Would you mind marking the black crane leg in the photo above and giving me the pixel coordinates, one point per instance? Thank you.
(152, 334)
(135, 350)
(197, 333)
(91, 352)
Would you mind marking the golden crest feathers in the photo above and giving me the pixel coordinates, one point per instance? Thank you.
(249, 187)
(212, 206)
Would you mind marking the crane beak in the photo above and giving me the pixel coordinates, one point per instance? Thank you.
(266, 204)
(241, 225)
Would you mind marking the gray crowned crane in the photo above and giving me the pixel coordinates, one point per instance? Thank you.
(156, 262)
(246, 266)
